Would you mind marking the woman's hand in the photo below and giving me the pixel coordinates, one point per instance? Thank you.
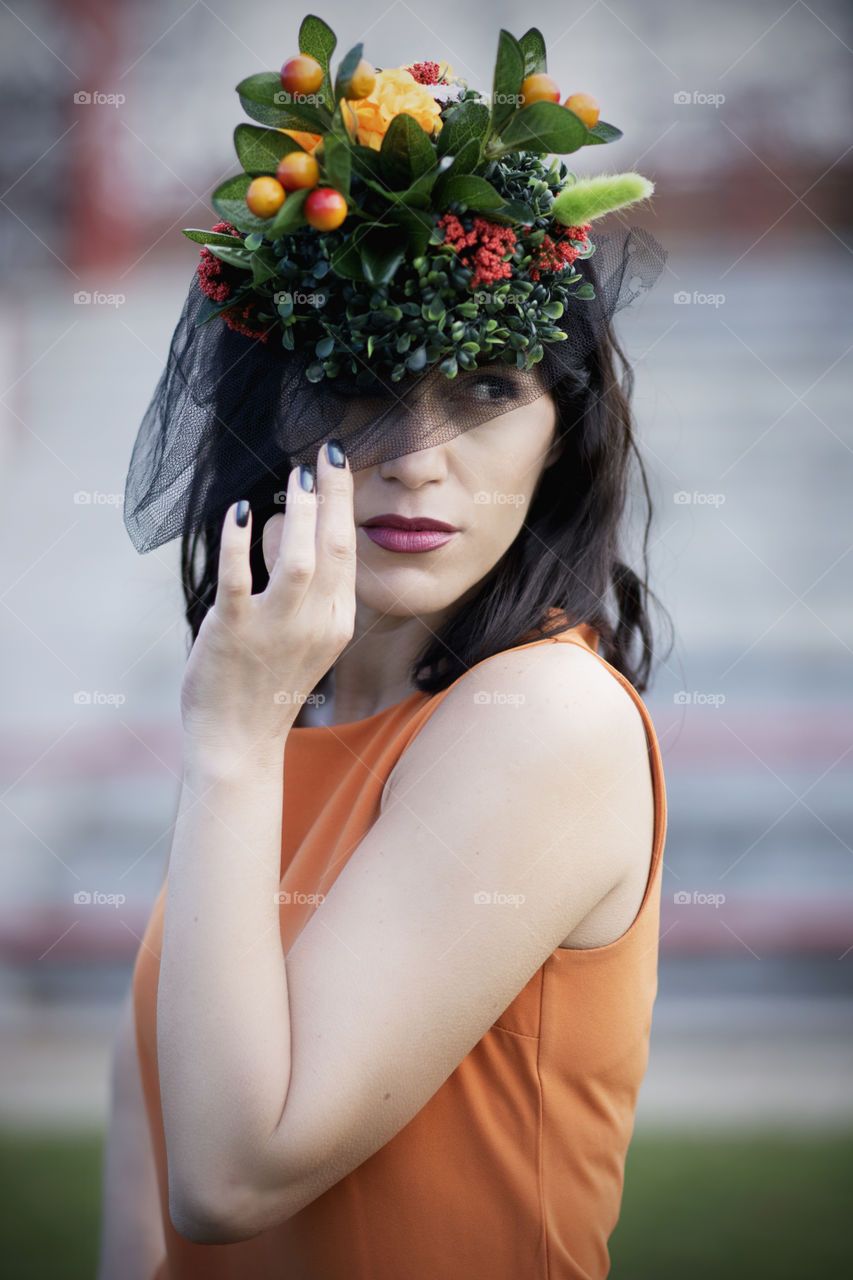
(257, 657)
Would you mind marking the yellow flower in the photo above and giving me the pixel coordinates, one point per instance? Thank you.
(395, 91)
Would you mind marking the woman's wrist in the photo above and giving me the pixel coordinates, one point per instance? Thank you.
(205, 758)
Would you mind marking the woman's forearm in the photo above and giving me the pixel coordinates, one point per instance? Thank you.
(223, 1021)
(131, 1234)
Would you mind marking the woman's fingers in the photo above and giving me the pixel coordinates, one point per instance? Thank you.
(293, 571)
(334, 577)
(234, 576)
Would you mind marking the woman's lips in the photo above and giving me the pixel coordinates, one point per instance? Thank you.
(408, 540)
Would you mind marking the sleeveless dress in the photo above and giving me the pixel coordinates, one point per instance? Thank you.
(514, 1169)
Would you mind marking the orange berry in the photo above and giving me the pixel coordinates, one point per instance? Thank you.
(539, 88)
(302, 74)
(363, 81)
(584, 106)
(325, 209)
(298, 169)
(265, 196)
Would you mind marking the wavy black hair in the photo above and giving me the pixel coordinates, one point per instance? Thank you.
(568, 553)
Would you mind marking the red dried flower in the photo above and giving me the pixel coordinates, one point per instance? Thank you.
(215, 285)
(425, 72)
(490, 243)
(555, 255)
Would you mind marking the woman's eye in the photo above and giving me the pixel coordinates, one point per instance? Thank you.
(497, 386)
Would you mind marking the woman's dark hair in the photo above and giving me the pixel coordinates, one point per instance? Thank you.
(567, 554)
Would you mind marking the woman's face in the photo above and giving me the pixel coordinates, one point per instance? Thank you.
(481, 482)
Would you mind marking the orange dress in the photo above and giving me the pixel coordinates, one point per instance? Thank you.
(514, 1169)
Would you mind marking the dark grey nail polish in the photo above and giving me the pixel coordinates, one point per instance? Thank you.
(241, 515)
(335, 452)
(306, 477)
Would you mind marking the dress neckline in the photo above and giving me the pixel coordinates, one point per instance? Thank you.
(346, 725)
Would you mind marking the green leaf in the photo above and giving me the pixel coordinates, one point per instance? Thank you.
(532, 46)
(603, 132)
(233, 256)
(337, 164)
(553, 310)
(318, 40)
(449, 367)
(506, 86)
(324, 347)
(259, 150)
(290, 215)
(585, 290)
(264, 266)
(467, 120)
(474, 192)
(208, 237)
(544, 127)
(381, 251)
(315, 371)
(263, 98)
(346, 71)
(406, 153)
(346, 260)
(416, 224)
(229, 201)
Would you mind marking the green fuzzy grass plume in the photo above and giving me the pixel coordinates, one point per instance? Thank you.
(589, 198)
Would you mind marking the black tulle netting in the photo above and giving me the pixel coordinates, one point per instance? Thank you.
(231, 415)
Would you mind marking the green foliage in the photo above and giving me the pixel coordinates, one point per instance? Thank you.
(394, 294)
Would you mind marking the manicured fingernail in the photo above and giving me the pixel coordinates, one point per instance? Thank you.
(335, 453)
(241, 514)
(306, 477)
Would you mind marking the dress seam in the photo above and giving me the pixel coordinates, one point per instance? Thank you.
(541, 1132)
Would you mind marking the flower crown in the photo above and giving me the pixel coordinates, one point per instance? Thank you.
(397, 219)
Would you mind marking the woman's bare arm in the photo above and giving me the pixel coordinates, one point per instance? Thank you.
(131, 1242)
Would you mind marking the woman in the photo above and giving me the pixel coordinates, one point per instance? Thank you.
(393, 1004)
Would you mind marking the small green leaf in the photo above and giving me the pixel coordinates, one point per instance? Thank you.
(263, 98)
(208, 237)
(290, 215)
(337, 164)
(229, 201)
(233, 256)
(472, 191)
(506, 85)
(585, 290)
(450, 367)
(318, 40)
(544, 127)
(324, 347)
(253, 241)
(532, 46)
(346, 71)
(406, 152)
(315, 371)
(553, 310)
(603, 132)
(259, 150)
(464, 121)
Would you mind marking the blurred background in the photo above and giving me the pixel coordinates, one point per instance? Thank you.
(119, 120)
